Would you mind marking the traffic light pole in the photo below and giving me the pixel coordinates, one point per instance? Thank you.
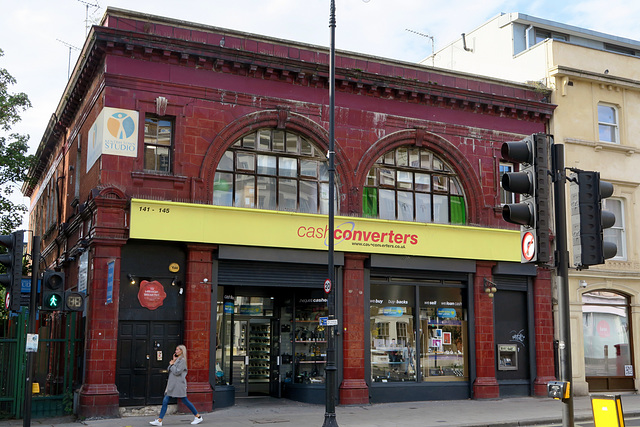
(562, 280)
(35, 272)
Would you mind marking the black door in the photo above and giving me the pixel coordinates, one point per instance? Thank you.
(513, 342)
(144, 351)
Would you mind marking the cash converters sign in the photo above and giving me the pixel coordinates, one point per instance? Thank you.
(114, 132)
(186, 222)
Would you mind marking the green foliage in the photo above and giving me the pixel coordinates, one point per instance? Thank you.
(14, 161)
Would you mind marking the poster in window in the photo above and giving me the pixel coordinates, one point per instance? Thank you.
(446, 338)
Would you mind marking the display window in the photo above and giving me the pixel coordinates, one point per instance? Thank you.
(393, 339)
(439, 354)
(443, 334)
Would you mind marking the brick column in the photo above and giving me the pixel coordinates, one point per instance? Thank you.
(354, 389)
(99, 396)
(485, 385)
(197, 325)
(543, 317)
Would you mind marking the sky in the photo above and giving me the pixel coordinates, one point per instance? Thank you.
(41, 38)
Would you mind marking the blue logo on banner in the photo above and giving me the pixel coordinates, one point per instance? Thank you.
(446, 313)
(392, 311)
(228, 307)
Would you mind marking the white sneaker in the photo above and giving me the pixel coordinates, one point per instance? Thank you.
(155, 423)
(197, 420)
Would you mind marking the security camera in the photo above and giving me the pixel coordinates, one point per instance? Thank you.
(583, 283)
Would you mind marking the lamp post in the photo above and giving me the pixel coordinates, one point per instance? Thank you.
(330, 368)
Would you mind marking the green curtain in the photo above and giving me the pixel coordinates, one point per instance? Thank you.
(458, 210)
(370, 202)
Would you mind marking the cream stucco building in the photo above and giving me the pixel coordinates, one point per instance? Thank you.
(595, 83)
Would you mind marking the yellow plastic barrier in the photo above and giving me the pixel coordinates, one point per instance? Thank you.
(607, 411)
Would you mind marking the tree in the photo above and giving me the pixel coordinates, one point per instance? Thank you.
(14, 162)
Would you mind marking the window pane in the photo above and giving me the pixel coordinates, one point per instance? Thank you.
(324, 171)
(423, 182)
(164, 132)
(278, 144)
(423, 207)
(370, 202)
(266, 193)
(606, 114)
(292, 142)
(402, 157)
(287, 194)
(309, 168)
(306, 149)
(440, 183)
(387, 178)
(438, 164)
(223, 189)
(371, 178)
(440, 209)
(324, 199)
(388, 158)
(287, 167)
(425, 159)
(393, 337)
(249, 141)
(150, 157)
(405, 206)
(414, 157)
(245, 161)
(405, 180)
(458, 210)
(308, 197)
(226, 162)
(245, 191)
(264, 140)
(266, 165)
(163, 164)
(607, 133)
(387, 204)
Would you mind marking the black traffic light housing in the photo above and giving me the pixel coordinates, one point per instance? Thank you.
(533, 183)
(588, 220)
(52, 291)
(12, 260)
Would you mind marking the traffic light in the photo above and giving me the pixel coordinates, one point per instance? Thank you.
(52, 291)
(588, 220)
(532, 182)
(12, 260)
(73, 301)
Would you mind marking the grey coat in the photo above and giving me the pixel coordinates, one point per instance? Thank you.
(177, 383)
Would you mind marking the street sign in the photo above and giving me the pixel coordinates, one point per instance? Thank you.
(528, 246)
(327, 286)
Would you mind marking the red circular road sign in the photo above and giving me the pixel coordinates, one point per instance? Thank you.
(7, 300)
(327, 286)
(528, 246)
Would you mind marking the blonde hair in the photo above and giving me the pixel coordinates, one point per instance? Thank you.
(184, 351)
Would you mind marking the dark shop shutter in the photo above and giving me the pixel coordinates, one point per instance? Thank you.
(271, 274)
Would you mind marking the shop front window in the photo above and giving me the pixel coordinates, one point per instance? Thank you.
(605, 326)
(393, 343)
(441, 328)
(443, 334)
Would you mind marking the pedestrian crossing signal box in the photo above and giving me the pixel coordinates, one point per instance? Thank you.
(558, 389)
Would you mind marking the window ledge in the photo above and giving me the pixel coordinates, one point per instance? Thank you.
(603, 146)
(140, 177)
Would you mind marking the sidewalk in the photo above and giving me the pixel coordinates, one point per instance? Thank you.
(281, 412)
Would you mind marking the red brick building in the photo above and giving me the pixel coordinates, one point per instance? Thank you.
(182, 185)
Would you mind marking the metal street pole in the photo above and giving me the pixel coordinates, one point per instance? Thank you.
(330, 368)
(562, 280)
(35, 271)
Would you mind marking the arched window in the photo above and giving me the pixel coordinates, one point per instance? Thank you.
(273, 169)
(413, 184)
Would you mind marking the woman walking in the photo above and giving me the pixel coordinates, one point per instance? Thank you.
(177, 386)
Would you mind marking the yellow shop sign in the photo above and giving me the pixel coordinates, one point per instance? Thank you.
(185, 222)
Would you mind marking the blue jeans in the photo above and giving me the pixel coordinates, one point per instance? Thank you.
(165, 402)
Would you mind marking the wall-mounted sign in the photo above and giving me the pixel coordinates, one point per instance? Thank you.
(151, 294)
(115, 132)
(174, 267)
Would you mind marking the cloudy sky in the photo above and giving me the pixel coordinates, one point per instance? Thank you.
(35, 35)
